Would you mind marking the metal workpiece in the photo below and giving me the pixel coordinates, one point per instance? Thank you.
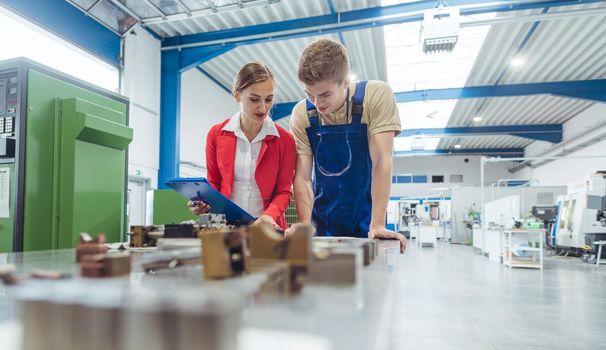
(267, 246)
(35, 313)
(212, 221)
(165, 244)
(370, 247)
(225, 253)
(170, 259)
(74, 316)
(187, 318)
(276, 274)
(145, 236)
(209, 323)
(335, 265)
(142, 236)
(106, 265)
(90, 246)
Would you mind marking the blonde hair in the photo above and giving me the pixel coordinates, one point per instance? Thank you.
(323, 59)
(250, 74)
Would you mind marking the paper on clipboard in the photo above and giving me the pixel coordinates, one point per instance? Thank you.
(4, 191)
(200, 189)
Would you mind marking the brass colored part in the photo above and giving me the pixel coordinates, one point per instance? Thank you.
(224, 253)
(267, 246)
(145, 236)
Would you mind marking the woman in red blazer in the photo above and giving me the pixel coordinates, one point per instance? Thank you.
(249, 159)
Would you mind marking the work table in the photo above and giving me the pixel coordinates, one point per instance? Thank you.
(348, 317)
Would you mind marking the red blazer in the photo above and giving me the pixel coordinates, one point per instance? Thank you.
(274, 173)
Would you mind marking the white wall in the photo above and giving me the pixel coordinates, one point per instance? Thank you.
(203, 104)
(141, 84)
(565, 171)
(444, 165)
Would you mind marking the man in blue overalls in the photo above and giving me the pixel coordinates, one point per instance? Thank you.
(344, 132)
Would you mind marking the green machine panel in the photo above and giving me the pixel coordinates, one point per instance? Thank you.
(169, 207)
(69, 163)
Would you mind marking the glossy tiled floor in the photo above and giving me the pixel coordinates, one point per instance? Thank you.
(450, 298)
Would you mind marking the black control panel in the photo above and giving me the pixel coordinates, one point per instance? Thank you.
(9, 112)
(9, 89)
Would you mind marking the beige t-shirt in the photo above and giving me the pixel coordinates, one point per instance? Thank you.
(380, 114)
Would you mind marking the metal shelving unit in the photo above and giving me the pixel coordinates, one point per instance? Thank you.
(527, 262)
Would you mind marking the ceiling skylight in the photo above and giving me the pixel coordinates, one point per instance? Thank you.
(408, 69)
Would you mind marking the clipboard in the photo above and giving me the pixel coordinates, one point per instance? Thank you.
(198, 189)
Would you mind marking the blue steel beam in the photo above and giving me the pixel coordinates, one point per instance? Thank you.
(66, 21)
(545, 132)
(213, 79)
(174, 63)
(593, 90)
(280, 110)
(384, 15)
(195, 56)
(331, 8)
(170, 90)
(496, 152)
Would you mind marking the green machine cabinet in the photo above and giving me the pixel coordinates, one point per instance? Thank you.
(169, 207)
(68, 169)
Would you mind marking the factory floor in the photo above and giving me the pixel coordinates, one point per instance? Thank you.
(447, 297)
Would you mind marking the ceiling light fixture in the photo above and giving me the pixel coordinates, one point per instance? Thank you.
(516, 62)
(417, 144)
(477, 119)
(440, 29)
(457, 146)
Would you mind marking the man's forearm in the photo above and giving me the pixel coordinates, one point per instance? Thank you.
(304, 199)
(380, 188)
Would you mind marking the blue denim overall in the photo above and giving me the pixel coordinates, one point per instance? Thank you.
(342, 172)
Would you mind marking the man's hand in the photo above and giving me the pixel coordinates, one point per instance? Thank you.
(198, 207)
(289, 231)
(383, 233)
(268, 220)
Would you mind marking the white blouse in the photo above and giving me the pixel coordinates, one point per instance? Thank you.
(245, 192)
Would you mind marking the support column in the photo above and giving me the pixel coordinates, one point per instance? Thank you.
(170, 92)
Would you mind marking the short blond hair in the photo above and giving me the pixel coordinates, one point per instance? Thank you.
(323, 59)
(250, 74)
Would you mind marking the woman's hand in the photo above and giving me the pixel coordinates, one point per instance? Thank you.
(268, 220)
(198, 207)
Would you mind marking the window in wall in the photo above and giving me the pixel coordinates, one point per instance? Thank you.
(437, 178)
(29, 40)
(406, 179)
(456, 178)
